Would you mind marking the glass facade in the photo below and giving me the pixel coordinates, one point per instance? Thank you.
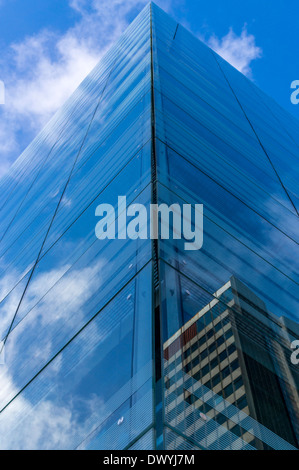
(140, 344)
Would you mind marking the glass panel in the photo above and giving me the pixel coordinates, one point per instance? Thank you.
(95, 391)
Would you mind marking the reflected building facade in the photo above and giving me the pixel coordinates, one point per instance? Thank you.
(140, 344)
(229, 378)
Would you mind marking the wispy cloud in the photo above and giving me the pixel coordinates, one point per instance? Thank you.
(239, 51)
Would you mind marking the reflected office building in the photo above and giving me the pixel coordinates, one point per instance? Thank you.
(228, 378)
(136, 343)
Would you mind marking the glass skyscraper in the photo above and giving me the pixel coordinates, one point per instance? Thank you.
(137, 343)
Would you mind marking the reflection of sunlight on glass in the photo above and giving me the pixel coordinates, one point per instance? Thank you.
(2, 92)
(2, 349)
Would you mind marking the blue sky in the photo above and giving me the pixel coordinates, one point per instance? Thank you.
(49, 46)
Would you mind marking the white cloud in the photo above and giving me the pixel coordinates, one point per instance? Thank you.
(239, 51)
(38, 95)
